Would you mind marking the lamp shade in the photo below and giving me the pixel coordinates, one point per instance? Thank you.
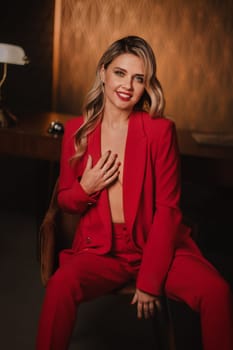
(12, 54)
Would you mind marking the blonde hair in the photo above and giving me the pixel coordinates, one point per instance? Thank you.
(152, 100)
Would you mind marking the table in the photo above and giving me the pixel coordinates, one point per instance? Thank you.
(204, 163)
(30, 138)
(30, 142)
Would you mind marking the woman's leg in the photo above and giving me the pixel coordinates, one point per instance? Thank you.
(85, 277)
(196, 282)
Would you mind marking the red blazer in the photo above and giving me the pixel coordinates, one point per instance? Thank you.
(151, 195)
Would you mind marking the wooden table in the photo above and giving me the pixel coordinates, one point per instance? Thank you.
(202, 163)
(189, 147)
(30, 138)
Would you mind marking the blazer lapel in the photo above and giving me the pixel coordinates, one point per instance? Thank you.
(134, 167)
(94, 149)
(94, 145)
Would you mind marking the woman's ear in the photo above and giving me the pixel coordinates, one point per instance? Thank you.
(102, 74)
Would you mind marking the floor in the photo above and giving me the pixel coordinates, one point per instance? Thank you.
(106, 324)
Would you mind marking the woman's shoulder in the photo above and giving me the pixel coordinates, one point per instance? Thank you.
(157, 125)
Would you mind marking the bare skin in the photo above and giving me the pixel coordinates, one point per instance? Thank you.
(124, 85)
(115, 138)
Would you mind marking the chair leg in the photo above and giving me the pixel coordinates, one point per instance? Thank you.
(164, 326)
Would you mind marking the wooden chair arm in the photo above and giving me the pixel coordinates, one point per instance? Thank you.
(55, 233)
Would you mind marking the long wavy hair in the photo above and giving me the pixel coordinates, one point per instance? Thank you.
(152, 100)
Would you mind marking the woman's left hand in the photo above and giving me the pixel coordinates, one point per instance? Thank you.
(146, 304)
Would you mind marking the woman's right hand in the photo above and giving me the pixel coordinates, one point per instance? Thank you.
(101, 175)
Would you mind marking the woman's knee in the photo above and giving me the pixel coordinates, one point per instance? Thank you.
(64, 282)
(218, 290)
(223, 289)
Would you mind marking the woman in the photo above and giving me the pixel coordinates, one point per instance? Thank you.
(120, 171)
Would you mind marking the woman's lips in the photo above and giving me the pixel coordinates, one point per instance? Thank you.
(124, 96)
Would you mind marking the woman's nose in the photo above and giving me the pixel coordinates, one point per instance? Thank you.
(128, 83)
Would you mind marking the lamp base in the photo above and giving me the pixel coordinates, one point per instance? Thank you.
(7, 119)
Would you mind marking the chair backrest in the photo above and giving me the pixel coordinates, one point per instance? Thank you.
(55, 233)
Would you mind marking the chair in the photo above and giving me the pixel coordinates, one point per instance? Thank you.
(56, 233)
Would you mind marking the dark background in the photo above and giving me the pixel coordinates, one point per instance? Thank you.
(27, 89)
(29, 24)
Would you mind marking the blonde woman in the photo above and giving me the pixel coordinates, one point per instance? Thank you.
(120, 171)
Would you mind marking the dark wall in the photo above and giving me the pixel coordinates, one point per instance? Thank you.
(28, 24)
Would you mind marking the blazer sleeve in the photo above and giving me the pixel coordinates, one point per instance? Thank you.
(71, 196)
(166, 227)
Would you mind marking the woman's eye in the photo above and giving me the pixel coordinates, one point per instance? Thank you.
(139, 79)
(119, 73)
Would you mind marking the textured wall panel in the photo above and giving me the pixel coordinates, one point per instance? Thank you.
(192, 40)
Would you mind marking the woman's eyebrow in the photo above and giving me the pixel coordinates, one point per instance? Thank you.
(124, 70)
(120, 68)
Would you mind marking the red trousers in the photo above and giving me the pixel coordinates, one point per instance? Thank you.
(86, 276)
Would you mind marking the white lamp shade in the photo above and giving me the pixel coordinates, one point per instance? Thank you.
(12, 54)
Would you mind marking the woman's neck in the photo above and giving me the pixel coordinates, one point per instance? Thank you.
(115, 119)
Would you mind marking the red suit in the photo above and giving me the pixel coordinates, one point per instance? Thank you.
(171, 261)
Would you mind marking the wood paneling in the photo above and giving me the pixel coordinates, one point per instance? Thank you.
(192, 40)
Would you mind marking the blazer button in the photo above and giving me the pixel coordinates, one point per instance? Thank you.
(89, 203)
(88, 240)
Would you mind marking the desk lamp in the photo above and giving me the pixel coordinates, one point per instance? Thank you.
(9, 54)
